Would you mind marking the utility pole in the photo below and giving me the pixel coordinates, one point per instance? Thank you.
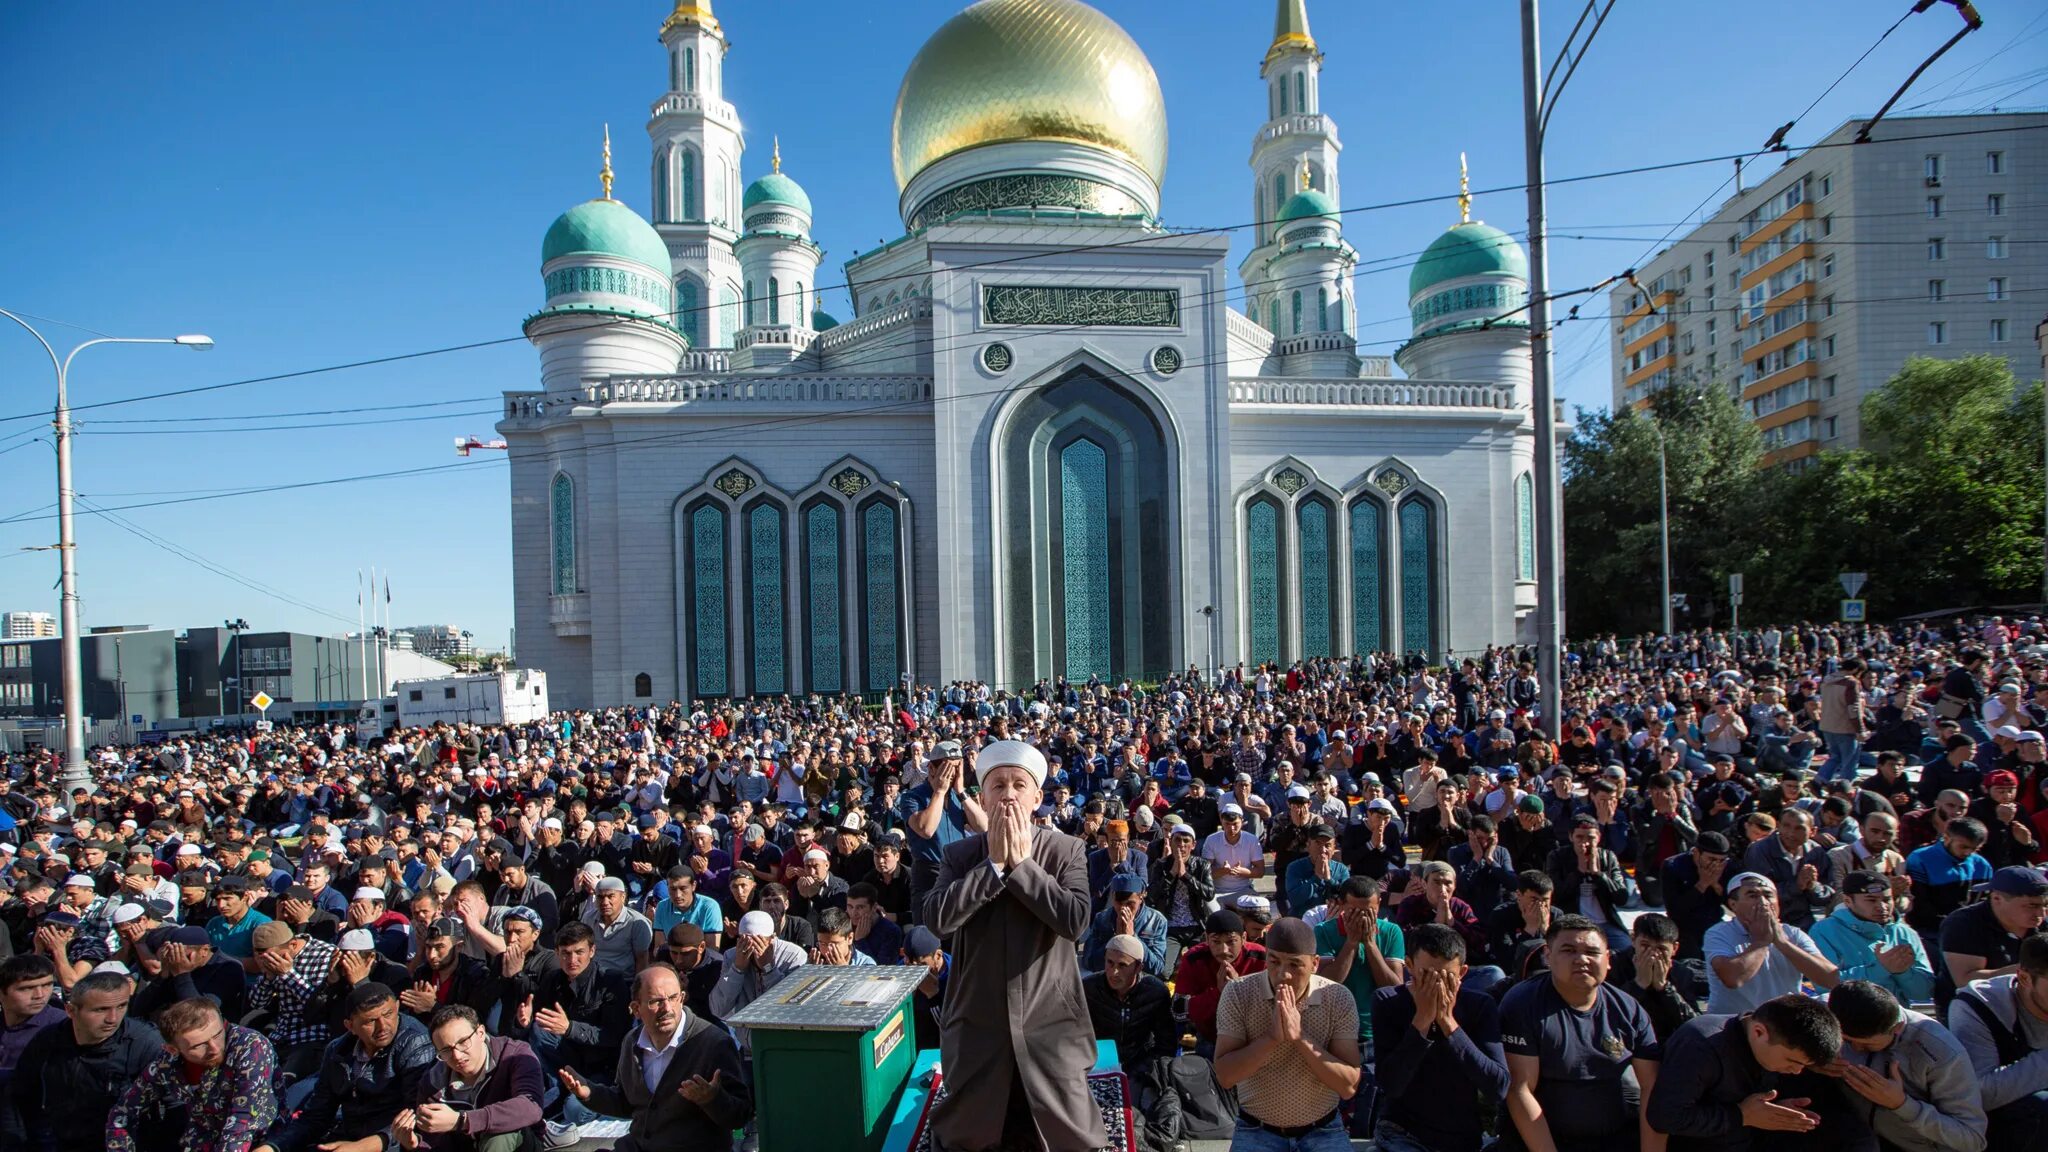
(1549, 634)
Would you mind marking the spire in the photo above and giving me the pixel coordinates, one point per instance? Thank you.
(776, 160)
(1290, 28)
(1464, 192)
(696, 12)
(604, 176)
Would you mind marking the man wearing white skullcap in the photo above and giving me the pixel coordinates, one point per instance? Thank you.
(1013, 900)
(756, 962)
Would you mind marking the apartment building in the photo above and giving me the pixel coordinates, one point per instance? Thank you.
(27, 625)
(1810, 288)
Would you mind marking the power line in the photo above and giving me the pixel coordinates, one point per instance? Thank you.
(194, 558)
(1148, 238)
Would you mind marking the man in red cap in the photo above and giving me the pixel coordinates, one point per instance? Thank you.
(2011, 841)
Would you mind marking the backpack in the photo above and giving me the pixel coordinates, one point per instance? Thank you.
(1207, 1111)
(2012, 1047)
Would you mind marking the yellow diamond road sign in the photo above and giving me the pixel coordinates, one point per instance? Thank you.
(262, 701)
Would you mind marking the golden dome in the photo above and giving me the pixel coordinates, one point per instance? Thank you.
(1029, 70)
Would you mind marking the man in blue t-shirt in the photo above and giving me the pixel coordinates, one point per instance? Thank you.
(935, 814)
(1581, 1055)
(686, 905)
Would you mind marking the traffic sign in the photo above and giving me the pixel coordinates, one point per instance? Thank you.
(262, 701)
(1735, 588)
(137, 719)
(1852, 582)
(1852, 611)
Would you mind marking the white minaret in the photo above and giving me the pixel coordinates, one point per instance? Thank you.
(780, 266)
(1295, 132)
(697, 147)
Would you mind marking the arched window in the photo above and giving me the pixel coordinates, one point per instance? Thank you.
(1322, 309)
(643, 687)
(798, 313)
(705, 563)
(1318, 568)
(689, 70)
(1418, 576)
(1273, 314)
(1283, 95)
(1297, 312)
(728, 315)
(562, 522)
(687, 314)
(689, 183)
(1301, 91)
(661, 199)
(750, 302)
(774, 301)
(1263, 586)
(1084, 551)
(768, 671)
(1368, 579)
(1525, 527)
(824, 599)
(1279, 202)
(882, 622)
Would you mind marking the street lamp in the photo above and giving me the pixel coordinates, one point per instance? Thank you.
(235, 628)
(1664, 506)
(75, 775)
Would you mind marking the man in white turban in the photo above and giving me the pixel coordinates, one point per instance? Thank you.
(1015, 1041)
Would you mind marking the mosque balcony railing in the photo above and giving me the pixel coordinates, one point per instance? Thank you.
(1242, 327)
(1298, 124)
(569, 613)
(833, 390)
(674, 103)
(904, 312)
(774, 335)
(1293, 392)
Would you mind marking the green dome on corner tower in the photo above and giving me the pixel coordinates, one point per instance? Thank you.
(775, 188)
(606, 227)
(1467, 249)
(1308, 203)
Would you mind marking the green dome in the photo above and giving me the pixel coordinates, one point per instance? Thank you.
(606, 228)
(1307, 203)
(822, 321)
(775, 188)
(1468, 249)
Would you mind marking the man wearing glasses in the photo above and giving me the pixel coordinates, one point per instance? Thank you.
(679, 1079)
(483, 1095)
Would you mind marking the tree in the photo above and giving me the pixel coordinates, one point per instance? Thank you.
(1613, 576)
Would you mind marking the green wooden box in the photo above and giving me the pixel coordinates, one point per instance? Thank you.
(832, 1051)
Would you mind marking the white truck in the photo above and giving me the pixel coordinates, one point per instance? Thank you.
(515, 696)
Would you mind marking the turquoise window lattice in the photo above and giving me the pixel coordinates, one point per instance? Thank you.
(1262, 589)
(1525, 527)
(774, 301)
(728, 315)
(689, 182)
(661, 196)
(687, 310)
(1297, 312)
(764, 601)
(1301, 91)
(1273, 313)
(1084, 558)
(562, 525)
(823, 596)
(883, 625)
(1322, 309)
(1368, 580)
(1313, 520)
(1418, 576)
(689, 70)
(707, 600)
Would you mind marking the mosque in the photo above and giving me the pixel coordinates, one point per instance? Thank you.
(1053, 439)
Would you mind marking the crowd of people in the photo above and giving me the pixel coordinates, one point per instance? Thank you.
(1774, 889)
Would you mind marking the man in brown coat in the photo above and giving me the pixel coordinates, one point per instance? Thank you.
(1015, 1041)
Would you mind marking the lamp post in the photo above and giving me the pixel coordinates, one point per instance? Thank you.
(1663, 519)
(235, 628)
(75, 775)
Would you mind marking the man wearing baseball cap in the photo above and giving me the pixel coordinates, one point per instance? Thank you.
(1013, 900)
(1753, 956)
(937, 814)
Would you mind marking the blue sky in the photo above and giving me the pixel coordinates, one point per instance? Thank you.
(318, 184)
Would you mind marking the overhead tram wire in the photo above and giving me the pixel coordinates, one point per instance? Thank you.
(636, 443)
(194, 558)
(1018, 258)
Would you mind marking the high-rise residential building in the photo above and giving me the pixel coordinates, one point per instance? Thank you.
(27, 625)
(1808, 290)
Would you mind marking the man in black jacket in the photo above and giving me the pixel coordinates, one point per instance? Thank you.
(1722, 1078)
(70, 1074)
(367, 1077)
(699, 1098)
(1664, 827)
(442, 975)
(187, 968)
(1582, 868)
(580, 1011)
(1130, 1005)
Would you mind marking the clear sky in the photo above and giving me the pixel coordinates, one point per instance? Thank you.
(316, 184)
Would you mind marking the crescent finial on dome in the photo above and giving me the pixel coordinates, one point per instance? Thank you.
(604, 175)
